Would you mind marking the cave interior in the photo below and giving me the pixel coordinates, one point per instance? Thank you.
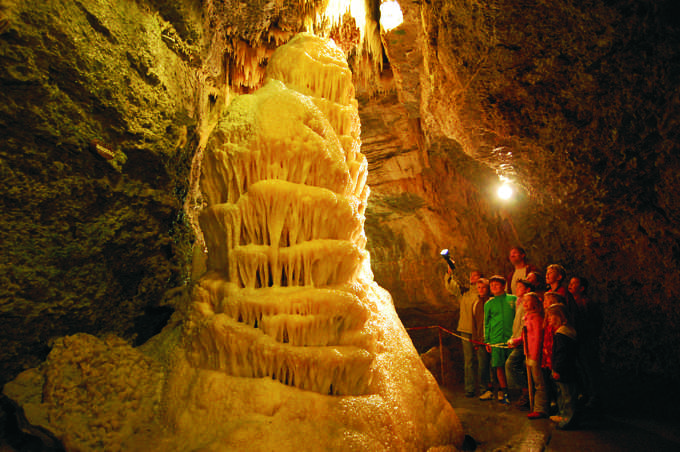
(106, 107)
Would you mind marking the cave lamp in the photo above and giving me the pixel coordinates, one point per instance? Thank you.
(505, 191)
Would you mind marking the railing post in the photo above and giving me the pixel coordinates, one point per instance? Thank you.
(441, 355)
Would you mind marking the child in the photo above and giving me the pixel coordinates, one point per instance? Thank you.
(588, 327)
(533, 323)
(565, 350)
(515, 368)
(555, 278)
(538, 283)
(483, 294)
(499, 312)
(549, 298)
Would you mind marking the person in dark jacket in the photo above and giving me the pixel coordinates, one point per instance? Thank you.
(564, 355)
(588, 327)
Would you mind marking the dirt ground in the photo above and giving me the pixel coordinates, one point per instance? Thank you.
(496, 427)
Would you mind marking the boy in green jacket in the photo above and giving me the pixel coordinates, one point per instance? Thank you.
(499, 313)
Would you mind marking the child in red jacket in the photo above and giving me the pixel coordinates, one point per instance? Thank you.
(549, 298)
(533, 323)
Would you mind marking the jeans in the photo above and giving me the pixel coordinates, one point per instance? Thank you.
(484, 372)
(515, 369)
(469, 363)
(541, 404)
(478, 359)
(567, 403)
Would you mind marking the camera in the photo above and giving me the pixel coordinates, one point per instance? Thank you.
(447, 257)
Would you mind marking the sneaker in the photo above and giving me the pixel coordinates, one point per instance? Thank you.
(506, 399)
(557, 419)
(523, 402)
(488, 395)
(537, 415)
(500, 395)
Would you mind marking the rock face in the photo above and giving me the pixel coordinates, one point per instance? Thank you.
(105, 104)
(287, 341)
(98, 127)
(576, 103)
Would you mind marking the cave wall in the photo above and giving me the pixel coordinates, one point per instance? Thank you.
(577, 102)
(105, 108)
(424, 199)
(98, 127)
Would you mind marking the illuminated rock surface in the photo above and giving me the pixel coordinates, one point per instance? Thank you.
(287, 342)
(578, 100)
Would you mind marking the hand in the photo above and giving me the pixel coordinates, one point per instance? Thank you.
(555, 376)
(531, 363)
(488, 349)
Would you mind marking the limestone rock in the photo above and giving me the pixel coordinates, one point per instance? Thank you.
(287, 341)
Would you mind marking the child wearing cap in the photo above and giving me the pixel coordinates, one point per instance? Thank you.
(499, 313)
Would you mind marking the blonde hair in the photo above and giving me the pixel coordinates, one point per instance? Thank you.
(557, 297)
(558, 310)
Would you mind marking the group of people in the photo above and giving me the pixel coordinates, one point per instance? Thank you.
(535, 333)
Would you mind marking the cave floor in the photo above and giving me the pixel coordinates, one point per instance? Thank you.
(496, 427)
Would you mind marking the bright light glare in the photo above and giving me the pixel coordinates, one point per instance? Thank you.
(505, 191)
(390, 15)
(357, 9)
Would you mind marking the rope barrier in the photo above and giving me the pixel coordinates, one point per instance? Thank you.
(441, 328)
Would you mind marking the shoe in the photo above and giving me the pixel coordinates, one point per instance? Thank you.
(557, 419)
(500, 395)
(523, 406)
(469, 394)
(523, 403)
(537, 415)
(506, 399)
(488, 395)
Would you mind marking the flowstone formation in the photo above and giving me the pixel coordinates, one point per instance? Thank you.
(287, 342)
(286, 190)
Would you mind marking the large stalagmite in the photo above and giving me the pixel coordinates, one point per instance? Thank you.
(287, 342)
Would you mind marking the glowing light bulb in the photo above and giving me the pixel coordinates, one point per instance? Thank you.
(505, 191)
(390, 15)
